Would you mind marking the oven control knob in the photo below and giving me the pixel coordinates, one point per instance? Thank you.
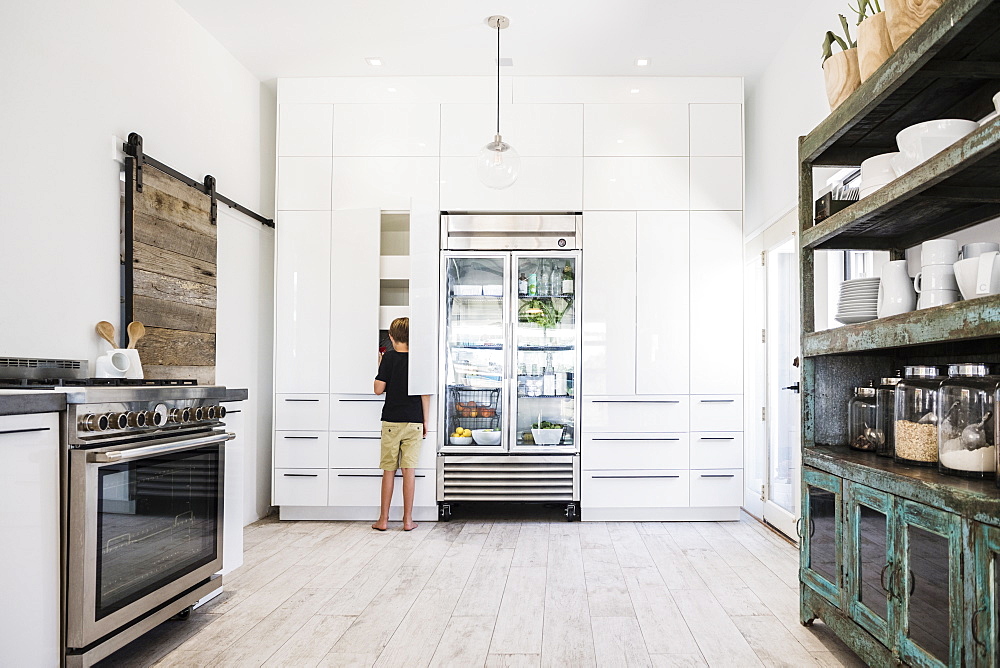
(180, 415)
(220, 412)
(118, 420)
(91, 422)
(210, 412)
(153, 419)
(135, 419)
(199, 414)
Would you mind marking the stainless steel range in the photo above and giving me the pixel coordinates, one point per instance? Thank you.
(143, 469)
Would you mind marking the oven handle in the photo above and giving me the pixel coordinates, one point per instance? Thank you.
(163, 448)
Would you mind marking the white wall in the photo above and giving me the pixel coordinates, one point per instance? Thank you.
(73, 75)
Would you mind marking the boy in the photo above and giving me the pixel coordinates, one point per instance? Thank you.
(404, 423)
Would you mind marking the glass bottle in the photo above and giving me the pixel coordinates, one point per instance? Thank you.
(555, 280)
(522, 284)
(567, 279)
(966, 438)
(885, 407)
(861, 430)
(532, 284)
(915, 420)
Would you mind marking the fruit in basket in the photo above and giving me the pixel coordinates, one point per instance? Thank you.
(487, 412)
(473, 413)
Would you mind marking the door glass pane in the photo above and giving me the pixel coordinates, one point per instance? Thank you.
(157, 520)
(823, 533)
(474, 355)
(928, 580)
(782, 350)
(546, 340)
(872, 558)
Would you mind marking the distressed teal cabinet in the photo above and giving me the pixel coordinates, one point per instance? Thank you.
(820, 528)
(869, 546)
(984, 584)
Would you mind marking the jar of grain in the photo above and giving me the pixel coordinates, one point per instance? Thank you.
(915, 420)
(966, 439)
(885, 411)
(861, 420)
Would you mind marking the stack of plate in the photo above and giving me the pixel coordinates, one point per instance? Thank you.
(858, 301)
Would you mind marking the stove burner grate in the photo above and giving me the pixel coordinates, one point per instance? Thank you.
(52, 383)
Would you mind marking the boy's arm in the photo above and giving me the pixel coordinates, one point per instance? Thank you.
(382, 376)
(425, 401)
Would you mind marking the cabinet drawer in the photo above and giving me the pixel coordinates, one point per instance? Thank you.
(362, 449)
(617, 414)
(635, 488)
(635, 451)
(301, 449)
(716, 487)
(363, 487)
(716, 450)
(300, 487)
(301, 412)
(717, 412)
(356, 412)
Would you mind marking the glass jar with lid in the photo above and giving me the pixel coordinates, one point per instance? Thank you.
(861, 420)
(966, 439)
(914, 430)
(885, 410)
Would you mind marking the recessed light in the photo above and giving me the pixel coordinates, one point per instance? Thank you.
(391, 90)
(621, 141)
(642, 62)
(634, 91)
(374, 62)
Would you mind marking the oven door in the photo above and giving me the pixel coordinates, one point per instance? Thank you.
(145, 525)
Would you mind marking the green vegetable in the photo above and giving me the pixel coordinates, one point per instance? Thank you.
(541, 312)
(544, 424)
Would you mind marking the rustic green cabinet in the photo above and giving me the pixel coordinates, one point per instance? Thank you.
(983, 585)
(821, 562)
(870, 555)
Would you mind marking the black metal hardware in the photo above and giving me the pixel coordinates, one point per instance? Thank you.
(629, 477)
(301, 399)
(716, 438)
(301, 475)
(796, 388)
(213, 212)
(302, 438)
(377, 401)
(229, 412)
(360, 438)
(375, 475)
(798, 527)
(913, 583)
(635, 439)
(24, 431)
(881, 578)
(133, 147)
(633, 401)
(718, 475)
(975, 627)
(716, 401)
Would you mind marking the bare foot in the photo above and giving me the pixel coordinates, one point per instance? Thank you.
(380, 525)
(410, 526)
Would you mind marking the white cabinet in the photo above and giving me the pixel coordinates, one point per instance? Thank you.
(609, 305)
(234, 489)
(384, 183)
(656, 450)
(635, 129)
(301, 449)
(635, 488)
(386, 129)
(662, 303)
(543, 184)
(716, 488)
(300, 487)
(353, 488)
(354, 299)
(646, 184)
(29, 540)
(305, 130)
(304, 184)
(717, 412)
(302, 302)
(301, 412)
(717, 302)
(717, 129)
(716, 450)
(644, 414)
(716, 184)
(534, 130)
(424, 297)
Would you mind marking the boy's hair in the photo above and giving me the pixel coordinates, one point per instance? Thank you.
(399, 330)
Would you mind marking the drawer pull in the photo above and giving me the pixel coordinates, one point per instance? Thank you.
(636, 439)
(302, 438)
(634, 401)
(371, 401)
(24, 431)
(717, 401)
(716, 438)
(630, 477)
(360, 438)
(718, 475)
(374, 475)
(301, 475)
(301, 399)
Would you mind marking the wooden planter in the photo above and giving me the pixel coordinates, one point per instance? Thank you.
(842, 76)
(903, 17)
(874, 45)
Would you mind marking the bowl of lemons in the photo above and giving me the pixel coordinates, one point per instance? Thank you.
(461, 436)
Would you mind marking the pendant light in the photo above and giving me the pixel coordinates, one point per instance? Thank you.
(498, 163)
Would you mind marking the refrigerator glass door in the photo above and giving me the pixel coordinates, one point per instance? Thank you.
(546, 350)
(475, 352)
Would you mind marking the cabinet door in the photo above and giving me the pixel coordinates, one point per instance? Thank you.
(609, 316)
(869, 550)
(635, 130)
(354, 301)
(929, 583)
(717, 302)
(821, 547)
(984, 572)
(662, 302)
(302, 303)
(424, 297)
(647, 184)
(716, 184)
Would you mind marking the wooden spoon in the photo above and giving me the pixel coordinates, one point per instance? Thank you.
(136, 330)
(107, 332)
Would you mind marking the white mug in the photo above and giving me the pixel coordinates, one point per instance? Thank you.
(932, 298)
(895, 290)
(939, 251)
(970, 251)
(979, 276)
(935, 277)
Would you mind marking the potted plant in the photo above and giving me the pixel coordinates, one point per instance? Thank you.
(874, 45)
(840, 69)
(903, 17)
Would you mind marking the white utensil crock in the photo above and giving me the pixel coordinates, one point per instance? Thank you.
(119, 363)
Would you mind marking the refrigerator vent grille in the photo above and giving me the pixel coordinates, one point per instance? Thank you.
(543, 481)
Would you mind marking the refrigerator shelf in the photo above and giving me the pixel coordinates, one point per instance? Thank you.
(546, 396)
(544, 349)
(474, 346)
(567, 297)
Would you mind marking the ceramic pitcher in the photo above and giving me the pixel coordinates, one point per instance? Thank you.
(895, 290)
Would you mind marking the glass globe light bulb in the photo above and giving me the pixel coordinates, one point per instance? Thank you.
(498, 164)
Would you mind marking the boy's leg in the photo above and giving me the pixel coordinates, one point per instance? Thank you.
(388, 478)
(388, 462)
(409, 457)
(409, 482)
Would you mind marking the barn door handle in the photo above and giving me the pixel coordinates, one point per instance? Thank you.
(881, 578)
(975, 627)
(913, 583)
(798, 527)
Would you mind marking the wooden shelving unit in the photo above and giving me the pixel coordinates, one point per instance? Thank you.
(949, 68)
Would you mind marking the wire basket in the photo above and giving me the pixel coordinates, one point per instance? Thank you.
(466, 408)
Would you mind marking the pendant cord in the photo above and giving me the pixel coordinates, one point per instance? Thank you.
(498, 76)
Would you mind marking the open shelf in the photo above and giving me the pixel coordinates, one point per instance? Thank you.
(952, 323)
(948, 68)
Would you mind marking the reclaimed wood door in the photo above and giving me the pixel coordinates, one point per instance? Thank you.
(821, 531)
(984, 626)
(869, 549)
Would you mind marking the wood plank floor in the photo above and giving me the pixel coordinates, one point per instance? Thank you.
(525, 592)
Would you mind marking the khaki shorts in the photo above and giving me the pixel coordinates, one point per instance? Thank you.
(401, 445)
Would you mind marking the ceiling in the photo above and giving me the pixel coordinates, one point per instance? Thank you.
(298, 38)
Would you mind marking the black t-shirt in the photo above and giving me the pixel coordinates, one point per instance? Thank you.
(400, 406)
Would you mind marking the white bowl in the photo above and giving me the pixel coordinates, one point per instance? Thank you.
(996, 102)
(467, 290)
(967, 275)
(461, 440)
(877, 171)
(547, 436)
(493, 290)
(483, 437)
(922, 141)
